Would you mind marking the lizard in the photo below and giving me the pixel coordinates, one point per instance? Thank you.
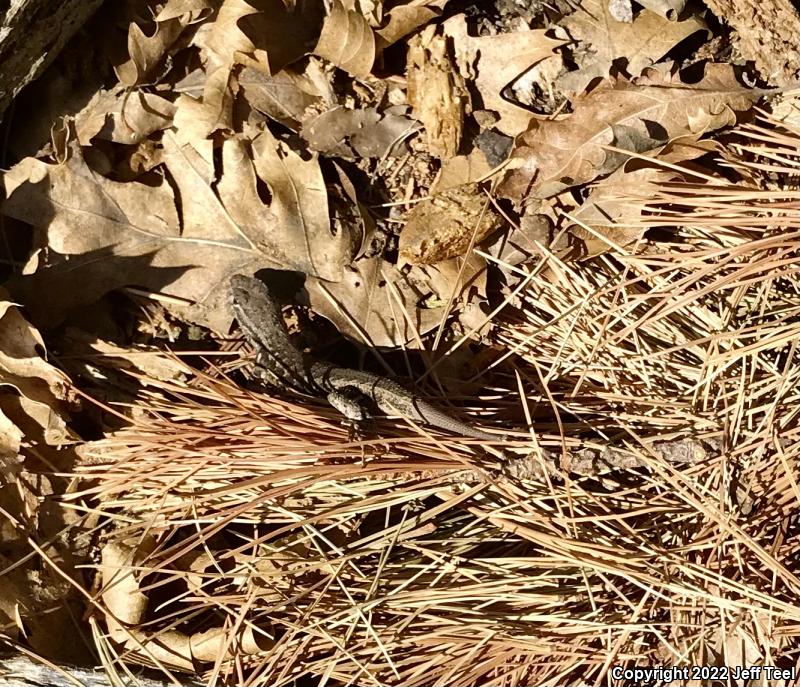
(354, 393)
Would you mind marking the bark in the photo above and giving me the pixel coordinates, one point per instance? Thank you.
(20, 671)
(767, 32)
(32, 33)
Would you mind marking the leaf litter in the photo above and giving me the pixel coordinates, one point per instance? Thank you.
(545, 221)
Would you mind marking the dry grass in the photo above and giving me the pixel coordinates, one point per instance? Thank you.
(371, 562)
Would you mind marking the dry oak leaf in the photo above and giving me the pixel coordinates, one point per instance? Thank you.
(223, 43)
(607, 220)
(493, 62)
(100, 234)
(615, 213)
(284, 97)
(669, 9)
(641, 42)
(633, 116)
(351, 41)
(405, 19)
(347, 41)
(196, 119)
(126, 606)
(262, 34)
(128, 119)
(380, 305)
(41, 389)
(147, 51)
(357, 133)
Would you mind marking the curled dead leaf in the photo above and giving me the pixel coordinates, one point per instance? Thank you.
(37, 408)
(126, 606)
(147, 50)
(404, 19)
(347, 41)
(262, 34)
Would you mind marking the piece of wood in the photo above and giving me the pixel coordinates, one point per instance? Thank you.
(21, 671)
(32, 33)
(766, 32)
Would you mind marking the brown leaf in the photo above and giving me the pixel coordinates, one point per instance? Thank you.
(284, 97)
(196, 119)
(152, 362)
(224, 43)
(103, 235)
(405, 19)
(10, 438)
(347, 41)
(493, 62)
(114, 116)
(604, 221)
(633, 116)
(146, 50)
(364, 220)
(356, 133)
(642, 42)
(669, 9)
(368, 304)
(262, 34)
(192, 10)
(41, 389)
(21, 364)
(613, 215)
(299, 206)
(462, 169)
(126, 606)
(443, 226)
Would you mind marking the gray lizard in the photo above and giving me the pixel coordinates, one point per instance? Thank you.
(354, 393)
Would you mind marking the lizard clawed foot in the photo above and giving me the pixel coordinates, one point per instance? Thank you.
(354, 432)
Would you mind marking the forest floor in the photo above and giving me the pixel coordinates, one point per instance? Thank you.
(573, 225)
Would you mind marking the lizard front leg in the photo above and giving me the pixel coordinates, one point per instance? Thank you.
(353, 404)
(350, 402)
